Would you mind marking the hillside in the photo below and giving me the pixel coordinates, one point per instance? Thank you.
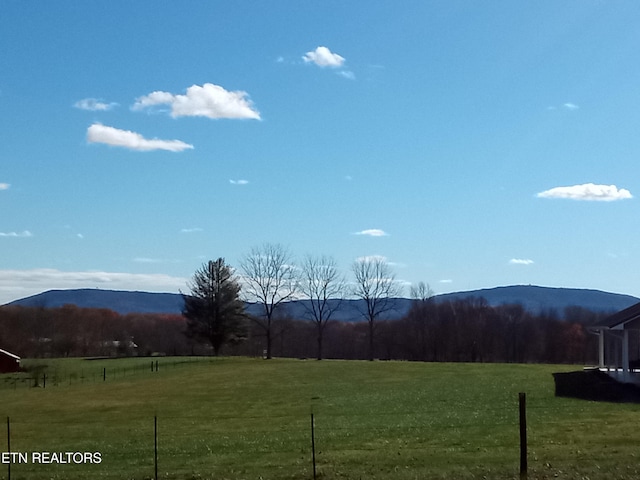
(534, 298)
(538, 299)
(119, 301)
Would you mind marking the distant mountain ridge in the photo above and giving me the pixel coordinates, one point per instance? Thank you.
(121, 301)
(534, 299)
(537, 299)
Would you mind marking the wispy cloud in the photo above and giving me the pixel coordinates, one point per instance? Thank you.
(208, 100)
(565, 106)
(23, 234)
(239, 182)
(148, 260)
(587, 191)
(372, 232)
(347, 74)
(98, 133)
(191, 230)
(372, 258)
(521, 261)
(16, 284)
(445, 280)
(4, 186)
(94, 105)
(323, 57)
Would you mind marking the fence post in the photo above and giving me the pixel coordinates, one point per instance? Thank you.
(104, 374)
(155, 445)
(313, 446)
(8, 447)
(522, 397)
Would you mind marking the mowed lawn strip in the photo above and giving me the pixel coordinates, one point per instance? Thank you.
(239, 418)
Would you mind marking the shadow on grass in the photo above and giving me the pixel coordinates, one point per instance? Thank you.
(595, 385)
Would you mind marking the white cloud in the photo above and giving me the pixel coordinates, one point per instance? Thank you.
(24, 234)
(567, 106)
(94, 105)
(147, 260)
(15, 284)
(347, 74)
(372, 258)
(191, 230)
(4, 186)
(239, 182)
(98, 133)
(208, 100)
(373, 232)
(521, 261)
(323, 57)
(446, 280)
(587, 191)
(397, 264)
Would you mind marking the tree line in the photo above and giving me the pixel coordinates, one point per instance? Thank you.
(465, 330)
(215, 320)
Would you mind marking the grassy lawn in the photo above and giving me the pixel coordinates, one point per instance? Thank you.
(238, 418)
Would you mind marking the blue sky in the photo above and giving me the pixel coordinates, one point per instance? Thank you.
(471, 144)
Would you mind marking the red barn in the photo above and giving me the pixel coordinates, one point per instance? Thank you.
(9, 362)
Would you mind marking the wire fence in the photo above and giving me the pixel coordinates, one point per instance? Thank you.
(452, 438)
(393, 444)
(41, 376)
(172, 447)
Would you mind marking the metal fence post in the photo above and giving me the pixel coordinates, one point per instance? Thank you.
(8, 447)
(313, 446)
(522, 397)
(155, 445)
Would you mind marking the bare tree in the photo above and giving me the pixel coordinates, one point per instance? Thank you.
(324, 288)
(420, 319)
(270, 279)
(376, 285)
(421, 292)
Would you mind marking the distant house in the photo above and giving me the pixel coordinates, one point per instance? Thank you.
(9, 362)
(619, 335)
(118, 348)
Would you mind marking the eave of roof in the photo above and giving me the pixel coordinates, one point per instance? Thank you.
(618, 320)
(9, 354)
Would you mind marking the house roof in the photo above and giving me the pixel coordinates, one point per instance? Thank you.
(618, 320)
(9, 354)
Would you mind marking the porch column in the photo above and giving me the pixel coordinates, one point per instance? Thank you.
(625, 355)
(601, 349)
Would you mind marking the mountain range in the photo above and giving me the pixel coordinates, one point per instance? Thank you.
(534, 299)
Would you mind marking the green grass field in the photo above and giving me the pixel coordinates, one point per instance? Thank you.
(239, 418)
